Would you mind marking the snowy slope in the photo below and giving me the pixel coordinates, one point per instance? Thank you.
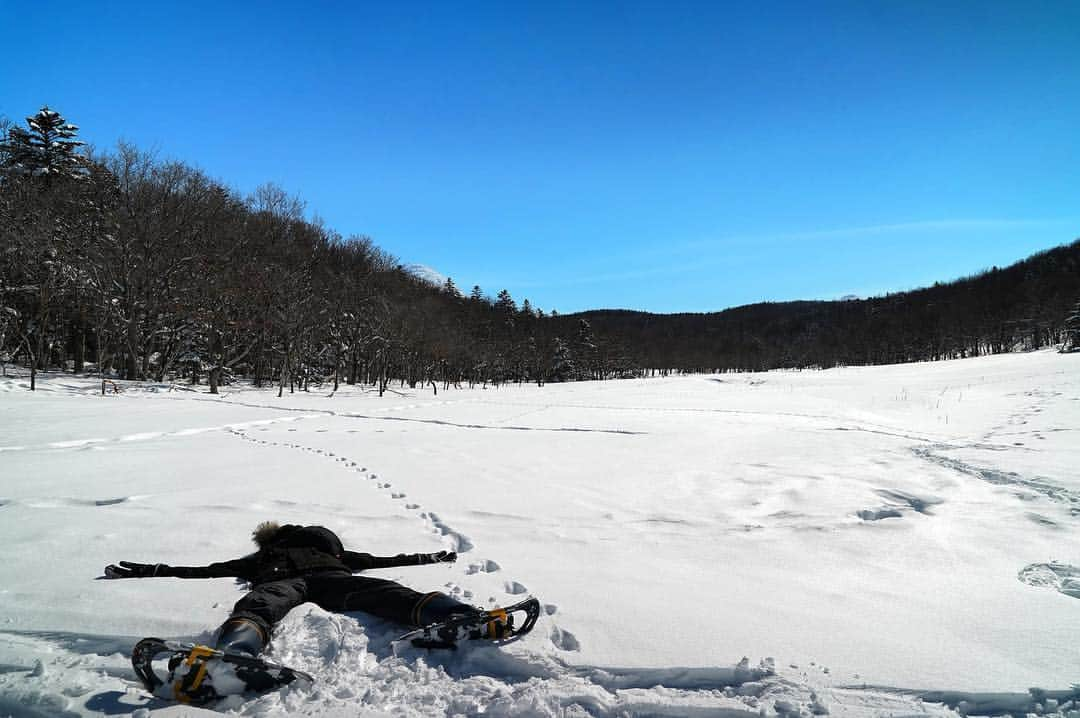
(860, 536)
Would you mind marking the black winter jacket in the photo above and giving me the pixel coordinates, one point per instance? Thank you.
(296, 551)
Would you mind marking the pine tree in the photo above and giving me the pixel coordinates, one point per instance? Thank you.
(46, 150)
(505, 303)
(476, 295)
(450, 288)
(562, 362)
(5, 128)
(44, 225)
(587, 351)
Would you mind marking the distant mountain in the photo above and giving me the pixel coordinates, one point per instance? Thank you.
(426, 274)
(1019, 307)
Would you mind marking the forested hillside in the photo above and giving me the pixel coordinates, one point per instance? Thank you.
(1028, 305)
(134, 267)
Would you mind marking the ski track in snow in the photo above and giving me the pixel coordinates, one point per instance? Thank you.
(932, 452)
(301, 413)
(378, 415)
(862, 426)
(995, 476)
(56, 502)
(149, 435)
(1059, 576)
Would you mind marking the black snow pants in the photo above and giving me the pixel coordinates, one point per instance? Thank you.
(268, 603)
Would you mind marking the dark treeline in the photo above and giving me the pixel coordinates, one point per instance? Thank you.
(1028, 305)
(136, 268)
(131, 267)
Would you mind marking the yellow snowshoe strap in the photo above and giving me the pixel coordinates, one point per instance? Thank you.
(183, 688)
(499, 624)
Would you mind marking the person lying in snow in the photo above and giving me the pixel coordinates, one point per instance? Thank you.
(295, 564)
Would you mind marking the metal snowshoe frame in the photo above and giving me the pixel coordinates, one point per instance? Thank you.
(190, 688)
(446, 634)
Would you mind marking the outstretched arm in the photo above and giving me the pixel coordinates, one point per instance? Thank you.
(127, 569)
(363, 561)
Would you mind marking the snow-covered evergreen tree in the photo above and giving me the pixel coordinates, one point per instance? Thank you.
(46, 223)
(5, 127)
(505, 303)
(586, 351)
(562, 361)
(47, 149)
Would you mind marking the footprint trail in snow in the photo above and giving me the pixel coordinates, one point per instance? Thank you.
(561, 639)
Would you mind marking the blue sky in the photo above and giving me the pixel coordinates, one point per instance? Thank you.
(665, 156)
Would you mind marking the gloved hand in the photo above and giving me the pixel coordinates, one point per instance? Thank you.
(127, 569)
(442, 557)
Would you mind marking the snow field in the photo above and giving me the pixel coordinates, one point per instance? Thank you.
(910, 526)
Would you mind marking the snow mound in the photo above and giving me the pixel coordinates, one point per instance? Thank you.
(356, 669)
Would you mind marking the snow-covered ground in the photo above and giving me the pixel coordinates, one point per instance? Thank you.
(865, 538)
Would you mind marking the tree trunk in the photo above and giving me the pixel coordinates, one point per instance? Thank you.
(337, 368)
(284, 372)
(132, 340)
(259, 360)
(39, 358)
(32, 362)
(80, 340)
(216, 357)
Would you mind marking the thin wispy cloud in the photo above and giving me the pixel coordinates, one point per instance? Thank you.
(748, 240)
(655, 270)
(724, 262)
(886, 229)
(938, 225)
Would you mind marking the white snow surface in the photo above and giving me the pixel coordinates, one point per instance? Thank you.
(863, 541)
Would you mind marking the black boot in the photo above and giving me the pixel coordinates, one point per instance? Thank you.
(241, 635)
(437, 607)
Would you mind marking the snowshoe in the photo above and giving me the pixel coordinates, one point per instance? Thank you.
(495, 625)
(200, 674)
